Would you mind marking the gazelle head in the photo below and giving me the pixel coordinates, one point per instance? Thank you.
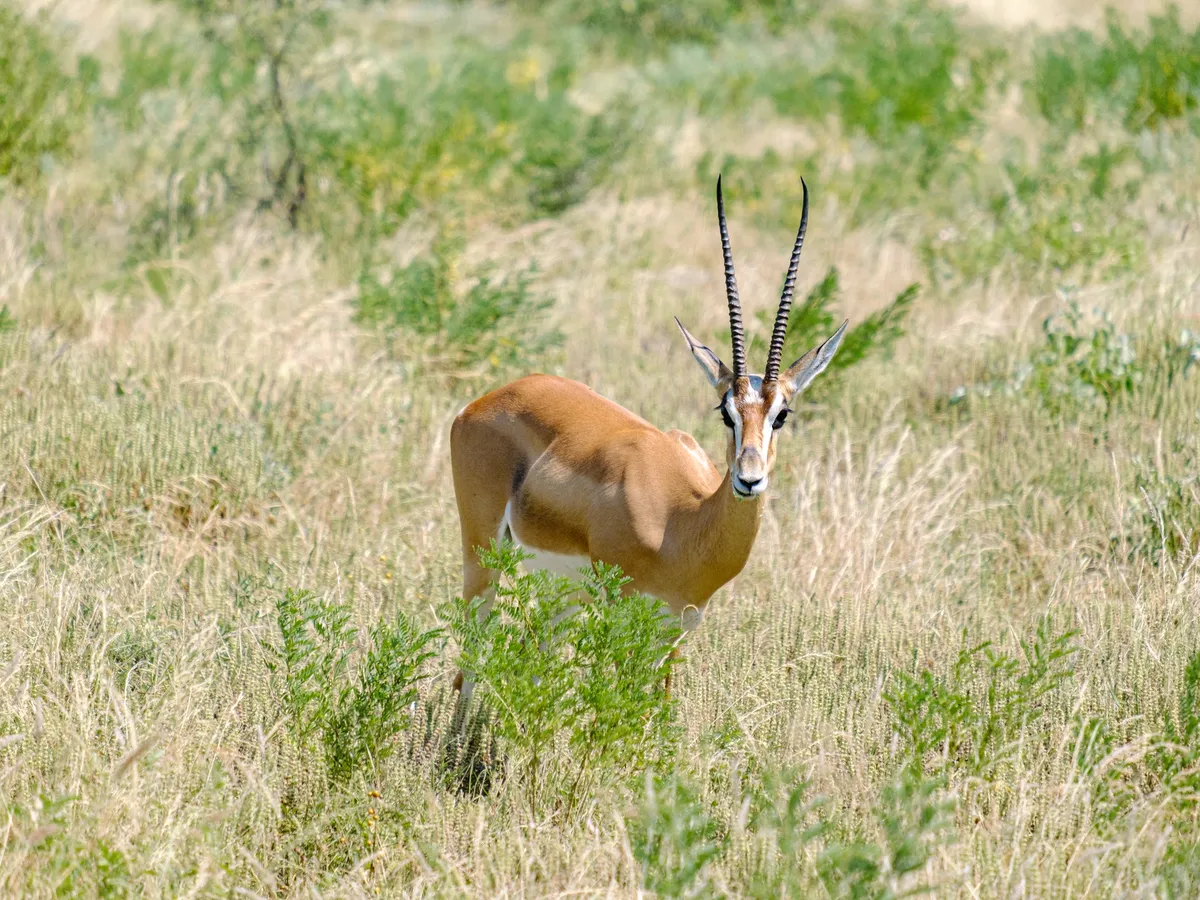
(755, 407)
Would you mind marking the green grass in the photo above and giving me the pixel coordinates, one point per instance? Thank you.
(237, 318)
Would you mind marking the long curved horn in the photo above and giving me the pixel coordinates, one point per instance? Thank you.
(779, 333)
(731, 292)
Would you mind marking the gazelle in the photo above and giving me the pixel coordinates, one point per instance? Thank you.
(573, 477)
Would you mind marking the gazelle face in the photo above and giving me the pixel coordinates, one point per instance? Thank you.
(755, 410)
(755, 407)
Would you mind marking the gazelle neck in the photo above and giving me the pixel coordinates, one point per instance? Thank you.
(723, 529)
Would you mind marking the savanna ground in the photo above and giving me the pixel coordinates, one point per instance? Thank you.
(254, 256)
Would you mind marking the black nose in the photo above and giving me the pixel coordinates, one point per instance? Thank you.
(749, 482)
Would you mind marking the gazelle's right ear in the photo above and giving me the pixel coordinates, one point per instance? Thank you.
(715, 371)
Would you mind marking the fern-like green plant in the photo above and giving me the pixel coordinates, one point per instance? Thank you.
(578, 661)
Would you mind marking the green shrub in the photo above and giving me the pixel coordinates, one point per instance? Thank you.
(970, 719)
(1143, 78)
(355, 719)
(150, 63)
(911, 818)
(673, 838)
(1048, 216)
(812, 321)
(373, 706)
(1176, 763)
(488, 128)
(461, 325)
(1084, 365)
(905, 75)
(41, 104)
(643, 27)
(800, 851)
(77, 867)
(591, 677)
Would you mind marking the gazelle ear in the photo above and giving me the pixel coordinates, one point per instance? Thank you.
(715, 371)
(801, 373)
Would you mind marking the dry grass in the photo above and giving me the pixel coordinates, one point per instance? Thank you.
(170, 464)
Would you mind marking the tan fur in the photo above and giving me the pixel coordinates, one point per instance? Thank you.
(587, 477)
(583, 477)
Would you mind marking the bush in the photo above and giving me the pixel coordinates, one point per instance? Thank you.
(354, 719)
(1166, 509)
(812, 321)
(1086, 366)
(970, 719)
(488, 128)
(642, 27)
(673, 838)
(590, 678)
(1048, 216)
(1145, 79)
(799, 851)
(461, 325)
(905, 74)
(40, 103)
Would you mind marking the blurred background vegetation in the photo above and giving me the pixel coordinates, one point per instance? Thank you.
(255, 255)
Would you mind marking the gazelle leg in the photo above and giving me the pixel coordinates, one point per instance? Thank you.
(689, 621)
(673, 655)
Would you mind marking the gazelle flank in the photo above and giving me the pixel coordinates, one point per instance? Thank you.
(574, 478)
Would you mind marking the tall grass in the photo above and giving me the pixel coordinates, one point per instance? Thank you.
(963, 655)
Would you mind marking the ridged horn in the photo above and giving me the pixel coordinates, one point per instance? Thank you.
(779, 333)
(731, 292)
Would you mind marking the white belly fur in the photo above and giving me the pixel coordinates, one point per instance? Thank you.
(556, 563)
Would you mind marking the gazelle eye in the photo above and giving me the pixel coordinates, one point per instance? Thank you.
(725, 416)
(780, 419)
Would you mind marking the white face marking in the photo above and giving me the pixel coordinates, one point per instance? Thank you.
(736, 417)
(769, 423)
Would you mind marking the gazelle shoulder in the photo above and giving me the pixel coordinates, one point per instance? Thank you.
(694, 451)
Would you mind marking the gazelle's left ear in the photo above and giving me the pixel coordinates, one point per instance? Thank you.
(717, 372)
(801, 373)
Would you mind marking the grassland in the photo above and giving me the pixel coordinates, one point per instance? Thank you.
(255, 256)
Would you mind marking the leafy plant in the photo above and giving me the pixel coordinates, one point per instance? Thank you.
(1176, 763)
(1048, 215)
(264, 43)
(354, 718)
(373, 706)
(906, 75)
(812, 321)
(79, 868)
(971, 718)
(645, 27)
(590, 675)
(488, 128)
(459, 324)
(41, 104)
(1143, 78)
(311, 659)
(911, 817)
(1164, 513)
(1085, 365)
(673, 838)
